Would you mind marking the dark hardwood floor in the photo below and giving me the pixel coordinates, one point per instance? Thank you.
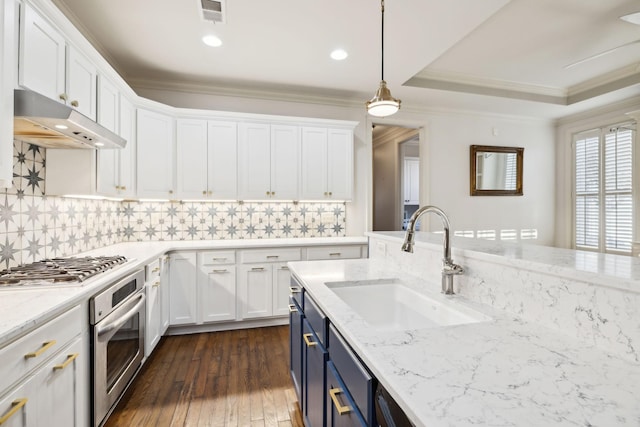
(231, 378)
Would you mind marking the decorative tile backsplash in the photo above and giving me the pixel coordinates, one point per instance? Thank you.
(34, 226)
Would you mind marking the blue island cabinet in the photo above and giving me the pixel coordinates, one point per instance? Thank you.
(341, 408)
(296, 315)
(314, 375)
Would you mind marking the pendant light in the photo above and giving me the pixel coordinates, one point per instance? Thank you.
(383, 104)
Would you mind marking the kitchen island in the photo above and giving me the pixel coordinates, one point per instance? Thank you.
(514, 369)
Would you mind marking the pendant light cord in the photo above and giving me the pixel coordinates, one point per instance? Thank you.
(382, 38)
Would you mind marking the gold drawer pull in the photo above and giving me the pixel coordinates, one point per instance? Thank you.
(45, 346)
(335, 254)
(294, 290)
(75, 103)
(16, 406)
(219, 259)
(293, 308)
(70, 358)
(155, 270)
(257, 268)
(220, 271)
(307, 340)
(334, 396)
(156, 283)
(273, 256)
(284, 267)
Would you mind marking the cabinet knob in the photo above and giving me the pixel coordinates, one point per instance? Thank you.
(326, 194)
(63, 96)
(268, 193)
(117, 187)
(156, 283)
(123, 187)
(330, 193)
(204, 192)
(170, 191)
(75, 103)
(273, 193)
(209, 192)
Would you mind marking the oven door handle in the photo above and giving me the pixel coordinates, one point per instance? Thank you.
(101, 330)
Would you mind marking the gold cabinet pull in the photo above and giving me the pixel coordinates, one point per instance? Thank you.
(294, 290)
(155, 270)
(70, 358)
(334, 397)
(335, 254)
(75, 103)
(273, 256)
(45, 346)
(123, 188)
(170, 191)
(219, 259)
(284, 267)
(330, 193)
(16, 405)
(293, 308)
(204, 192)
(307, 340)
(63, 96)
(156, 283)
(220, 271)
(257, 268)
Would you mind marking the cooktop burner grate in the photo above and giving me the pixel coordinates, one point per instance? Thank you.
(58, 270)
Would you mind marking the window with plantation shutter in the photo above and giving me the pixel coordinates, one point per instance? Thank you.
(604, 190)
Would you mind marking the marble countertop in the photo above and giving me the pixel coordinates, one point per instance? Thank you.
(503, 372)
(23, 309)
(614, 271)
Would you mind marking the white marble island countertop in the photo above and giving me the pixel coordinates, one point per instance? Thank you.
(503, 372)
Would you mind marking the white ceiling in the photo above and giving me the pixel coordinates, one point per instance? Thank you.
(505, 56)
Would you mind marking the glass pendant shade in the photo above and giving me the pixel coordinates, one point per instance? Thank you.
(383, 104)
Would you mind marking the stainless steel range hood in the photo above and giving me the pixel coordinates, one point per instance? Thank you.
(51, 124)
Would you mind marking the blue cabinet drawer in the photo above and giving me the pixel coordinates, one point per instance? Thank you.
(314, 378)
(316, 318)
(341, 410)
(355, 376)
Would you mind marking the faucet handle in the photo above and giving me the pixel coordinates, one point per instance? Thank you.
(451, 269)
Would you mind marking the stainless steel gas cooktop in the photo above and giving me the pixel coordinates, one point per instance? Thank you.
(58, 271)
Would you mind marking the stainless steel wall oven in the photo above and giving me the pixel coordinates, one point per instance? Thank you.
(117, 317)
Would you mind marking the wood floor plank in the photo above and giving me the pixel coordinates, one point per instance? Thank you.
(231, 378)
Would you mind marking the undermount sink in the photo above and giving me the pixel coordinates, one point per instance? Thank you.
(388, 304)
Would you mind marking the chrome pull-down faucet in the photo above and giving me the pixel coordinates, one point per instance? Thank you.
(449, 268)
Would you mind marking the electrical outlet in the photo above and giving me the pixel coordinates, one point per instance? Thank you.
(327, 218)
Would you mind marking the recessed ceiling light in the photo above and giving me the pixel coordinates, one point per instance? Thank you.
(339, 54)
(99, 144)
(61, 127)
(212, 41)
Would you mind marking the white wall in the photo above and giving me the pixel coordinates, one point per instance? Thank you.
(445, 140)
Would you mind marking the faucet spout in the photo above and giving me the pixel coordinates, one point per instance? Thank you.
(449, 268)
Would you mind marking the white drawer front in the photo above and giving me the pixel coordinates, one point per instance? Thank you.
(216, 257)
(30, 351)
(333, 252)
(270, 255)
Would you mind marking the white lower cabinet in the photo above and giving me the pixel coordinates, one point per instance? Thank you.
(255, 290)
(152, 286)
(281, 284)
(47, 372)
(216, 286)
(183, 288)
(164, 293)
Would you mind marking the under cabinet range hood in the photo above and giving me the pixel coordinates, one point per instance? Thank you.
(42, 121)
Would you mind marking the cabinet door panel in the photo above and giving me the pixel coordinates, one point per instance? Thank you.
(42, 55)
(182, 292)
(340, 164)
(313, 167)
(155, 154)
(217, 293)
(255, 290)
(341, 410)
(164, 293)
(81, 82)
(254, 167)
(285, 162)
(222, 154)
(126, 171)
(192, 164)
(23, 412)
(59, 392)
(314, 378)
(154, 319)
(295, 347)
(108, 103)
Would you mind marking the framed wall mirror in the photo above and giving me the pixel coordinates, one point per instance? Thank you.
(496, 171)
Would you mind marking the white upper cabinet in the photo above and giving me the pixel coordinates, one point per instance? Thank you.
(222, 151)
(327, 164)
(42, 55)
(155, 155)
(192, 161)
(8, 15)
(81, 83)
(116, 167)
(49, 66)
(254, 165)
(206, 159)
(108, 104)
(268, 161)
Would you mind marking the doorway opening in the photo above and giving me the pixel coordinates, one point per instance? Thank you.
(396, 176)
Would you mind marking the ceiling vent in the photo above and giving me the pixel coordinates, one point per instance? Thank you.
(214, 10)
